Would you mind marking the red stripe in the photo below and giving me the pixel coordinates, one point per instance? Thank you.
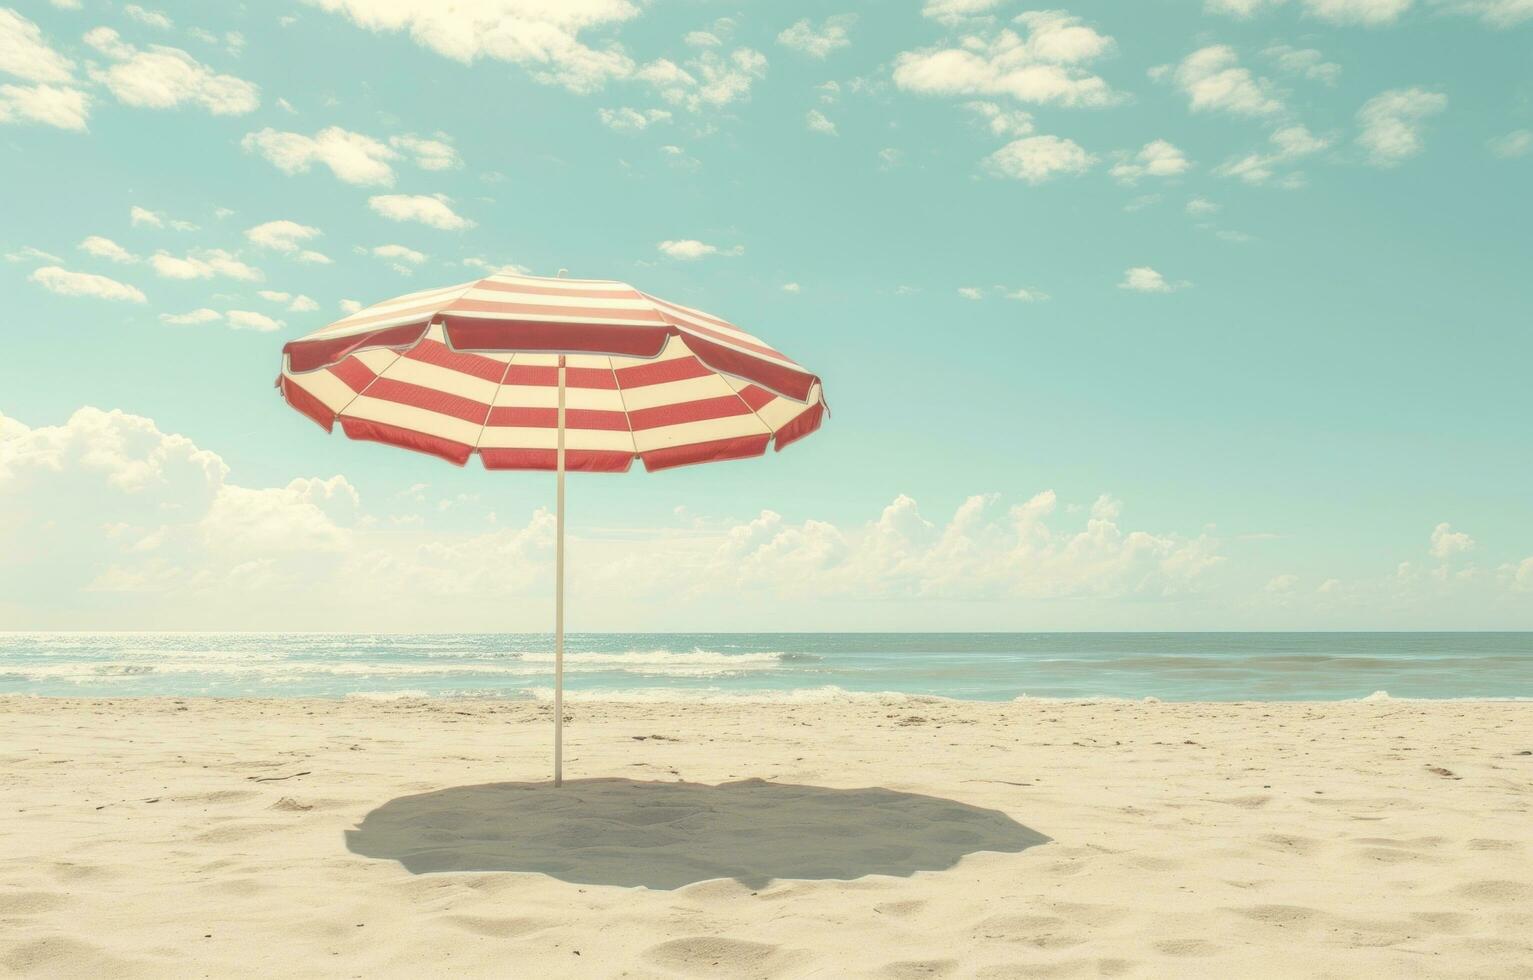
(306, 403)
(430, 399)
(482, 333)
(740, 447)
(517, 287)
(547, 376)
(454, 452)
(307, 355)
(578, 460)
(438, 354)
(660, 372)
(526, 311)
(791, 381)
(801, 426)
(721, 407)
(548, 418)
(354, 373)
(756, 398)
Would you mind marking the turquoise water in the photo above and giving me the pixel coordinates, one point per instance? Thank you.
(787, 666)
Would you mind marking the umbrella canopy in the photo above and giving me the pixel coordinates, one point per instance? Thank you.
(551, 374)
(474, 368)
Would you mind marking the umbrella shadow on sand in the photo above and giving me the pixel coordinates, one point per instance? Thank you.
(665, 835)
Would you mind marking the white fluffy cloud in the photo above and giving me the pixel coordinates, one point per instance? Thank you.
(295, 304)
(203, 264)
(628, 120)
(955, 11)
(1036, 159)
(191, 318)
(1446, 542)
(544, 35)
(708, 81)
(352, 157)
(156, 219)
(428, 154)
(1289, 145)
(161, 77)
(1213, 81)
(1496, 13)
(691, 248)
(1156, 159)
(67, 283)
(435, 211)
(1000, 120)
(818, 42)
(818, 123)
(251, 320)
(1044, 66)
(52, 105)
(153, 18)
(282, 236)
(1368, 12)
(1392, 123)
(105, 248)
(26, 54)
(1143, 279)
(1305, 62)
(1517, 143)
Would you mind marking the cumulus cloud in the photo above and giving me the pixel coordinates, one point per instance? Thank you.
(105, 248)
(352, 157)
(1213, 81)
(67, 283)
(628, 120)
(1042, 66)
(203, 264)
(1000, 120)
(691, 248)
(818, 123)
(1304, 62)
(1392, 124)
(1143, 279)
(1289, 145)
(251, 320)
(281, 235)
(956, 11)
(191, 317)
(1156, 159)
(1495, 13)
(708, 81)
(1517, 143)
(143, 217)
(51, 105)
(161, 77)
(1367, 12)
(544, 35)
(26, 54)
(435, 211)
(428, 154)
(1446, 542)
(818, 42)
(153, 18)
(400, 257)
(1036, 159)
(295, 304)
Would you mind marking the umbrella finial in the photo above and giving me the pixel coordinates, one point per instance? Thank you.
(564, 273)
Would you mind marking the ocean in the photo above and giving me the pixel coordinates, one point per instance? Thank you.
(774, 666)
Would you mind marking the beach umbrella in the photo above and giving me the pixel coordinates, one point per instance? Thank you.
(534, 373)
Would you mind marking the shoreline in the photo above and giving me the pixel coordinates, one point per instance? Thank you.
(240, 837)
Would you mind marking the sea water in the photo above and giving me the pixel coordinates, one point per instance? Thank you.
(773, 666)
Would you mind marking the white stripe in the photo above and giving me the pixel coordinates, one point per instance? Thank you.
(691, 433)
(415, 419)
(676, 392)
(547, 396)
(330, 390)
(438, 378)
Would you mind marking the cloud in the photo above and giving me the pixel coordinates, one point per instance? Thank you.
(25, 54)
(971, 292)
(192, 318)
(817, 123)
(203, 264)
(350, 306)
(1042, 67)
(627, 120)
(792, 287)
(818, 43)
(295, 304)
(1239, 8)
(1446, 542)
(250, 320)
(352, 157)
(51, 105)
(1213, 81)
(956, 11)
(1002, 121)
(1495, 13)
(27, 254)
(691, 248)
(105, 248)
(1367, 12)
(1201, 207)
(1517, 143)
(66, 283)
(156, 219)
(707, 81)
(1392, 124)
(151, 17)
(543, 35)
(428, 154)
(1157, 159)
(1304, 62)
(401, 258)
(1290, 144)
(434, 211)
(1143, 279)
(281, 236)
(162, 77)
(1036, 159)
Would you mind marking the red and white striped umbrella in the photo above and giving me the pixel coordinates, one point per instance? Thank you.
(475, 369)
(551, 374)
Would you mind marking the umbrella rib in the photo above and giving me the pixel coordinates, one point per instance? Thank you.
(491, 408)
(623, 402)
(352, 400)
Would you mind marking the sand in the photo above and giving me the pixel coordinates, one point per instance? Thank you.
(883, 838)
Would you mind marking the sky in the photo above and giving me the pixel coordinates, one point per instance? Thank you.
(1184, 315)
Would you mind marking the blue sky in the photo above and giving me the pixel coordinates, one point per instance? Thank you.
(1173, 315)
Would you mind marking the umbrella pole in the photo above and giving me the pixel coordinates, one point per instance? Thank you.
(559, 600)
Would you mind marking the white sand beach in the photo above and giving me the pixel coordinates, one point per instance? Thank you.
(232, 838)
